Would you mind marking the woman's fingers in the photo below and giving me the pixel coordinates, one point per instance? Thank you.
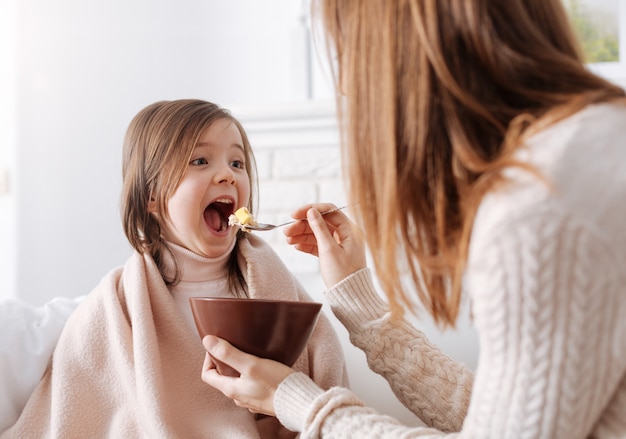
(321, 230)
(300, 234)
(254, 389)
(339, 251)
(333, 238)
(223, 352)
(208, 362)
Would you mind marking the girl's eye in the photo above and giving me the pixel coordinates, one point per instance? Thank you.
(237, 164)
(199, 161)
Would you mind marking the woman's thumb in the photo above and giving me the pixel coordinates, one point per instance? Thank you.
(226, 359)
(319, 227)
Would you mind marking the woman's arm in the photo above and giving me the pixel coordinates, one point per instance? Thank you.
(547, 298)
(428, 382)
(303, 406)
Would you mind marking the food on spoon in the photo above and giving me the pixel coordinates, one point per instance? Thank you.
(242, 218)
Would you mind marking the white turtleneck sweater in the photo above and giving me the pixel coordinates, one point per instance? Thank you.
(199, 276)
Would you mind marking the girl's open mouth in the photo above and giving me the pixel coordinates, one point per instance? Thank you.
(216, 215)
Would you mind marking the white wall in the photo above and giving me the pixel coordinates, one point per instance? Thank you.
(84, 69)
(8, 84)
(74, 73)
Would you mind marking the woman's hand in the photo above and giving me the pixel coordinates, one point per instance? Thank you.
(259, 378)
(333, 238)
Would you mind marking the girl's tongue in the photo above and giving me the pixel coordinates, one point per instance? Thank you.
(214, 219)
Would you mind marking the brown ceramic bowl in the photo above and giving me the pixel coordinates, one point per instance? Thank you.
(274, 329)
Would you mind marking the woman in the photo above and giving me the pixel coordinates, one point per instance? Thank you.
(483, 159)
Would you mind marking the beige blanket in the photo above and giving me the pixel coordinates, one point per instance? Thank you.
(127, 364)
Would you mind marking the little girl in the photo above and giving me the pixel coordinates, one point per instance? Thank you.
(129, 359)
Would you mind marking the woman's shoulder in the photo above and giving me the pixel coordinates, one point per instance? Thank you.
(581, 162)
(584, 138)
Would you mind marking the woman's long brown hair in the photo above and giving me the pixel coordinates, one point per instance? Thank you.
(438, 96)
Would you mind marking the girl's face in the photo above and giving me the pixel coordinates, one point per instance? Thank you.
(216, 184)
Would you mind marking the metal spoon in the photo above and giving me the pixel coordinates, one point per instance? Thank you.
(261, 227)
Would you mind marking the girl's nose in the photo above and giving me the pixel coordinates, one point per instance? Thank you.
(225, 174)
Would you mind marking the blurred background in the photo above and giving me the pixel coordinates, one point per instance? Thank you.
(72, 75)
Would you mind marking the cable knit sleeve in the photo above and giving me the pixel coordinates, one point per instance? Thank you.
(428, 382)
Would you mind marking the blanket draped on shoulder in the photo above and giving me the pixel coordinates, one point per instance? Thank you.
(127, 364)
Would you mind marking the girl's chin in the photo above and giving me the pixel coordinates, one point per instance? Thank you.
(217, 245)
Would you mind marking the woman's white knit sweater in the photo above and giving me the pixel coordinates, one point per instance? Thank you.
(546, 278)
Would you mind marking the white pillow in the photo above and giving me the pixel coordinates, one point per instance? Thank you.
(28, 336)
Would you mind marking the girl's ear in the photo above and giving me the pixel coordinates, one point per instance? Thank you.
(152, 205)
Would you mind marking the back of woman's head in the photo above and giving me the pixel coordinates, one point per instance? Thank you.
(158, 146)
(438, 95)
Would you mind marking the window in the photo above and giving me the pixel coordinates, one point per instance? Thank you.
(601, 27)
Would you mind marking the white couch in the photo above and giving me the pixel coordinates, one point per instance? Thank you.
(28, 335)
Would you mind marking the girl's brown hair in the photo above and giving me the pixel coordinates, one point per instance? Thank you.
(158, 146)
(439, 94)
